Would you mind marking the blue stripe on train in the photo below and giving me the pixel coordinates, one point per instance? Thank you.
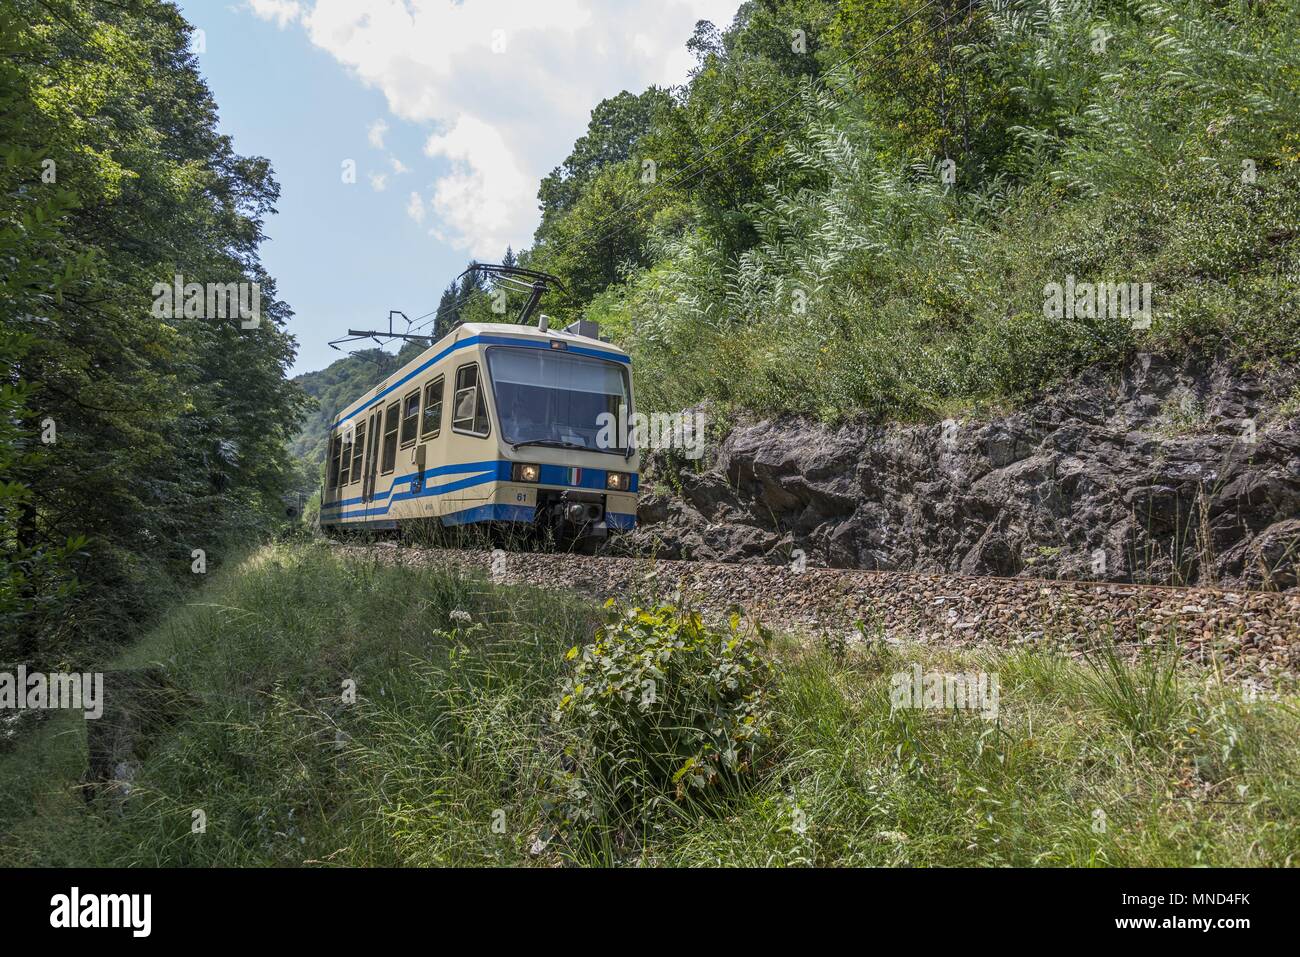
(497, 471)
(383, 502)
(503, 513)
(437, 472)
(484, 340)
(490, 513)
(480, 513)
(587, 478)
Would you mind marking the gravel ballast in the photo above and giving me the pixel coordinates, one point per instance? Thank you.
(1250, 636)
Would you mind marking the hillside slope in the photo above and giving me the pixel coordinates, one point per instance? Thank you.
(337, 385)
(948, 223)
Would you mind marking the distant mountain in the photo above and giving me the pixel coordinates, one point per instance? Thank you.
(338, 385)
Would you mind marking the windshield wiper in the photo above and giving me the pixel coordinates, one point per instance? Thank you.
(560, 444)
(550, 443)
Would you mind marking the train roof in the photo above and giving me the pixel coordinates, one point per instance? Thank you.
(493, 331)
(531, 332)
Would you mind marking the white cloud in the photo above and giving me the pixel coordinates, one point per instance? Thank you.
(283, 12)
(478, 201)
(378, 130)
(378, 182)
(415, 208)
(398, 166)
(505, 118)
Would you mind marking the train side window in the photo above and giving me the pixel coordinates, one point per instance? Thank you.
(433, 408)
(345, 461)
(469, 410)
(358, 449)
(390, 440)
(410, 418)
(336, 448)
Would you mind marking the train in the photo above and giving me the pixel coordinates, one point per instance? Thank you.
(497, 425)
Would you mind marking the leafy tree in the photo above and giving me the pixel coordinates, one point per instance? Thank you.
(447, 315)
(724, 140)
(604, 234)
(616, 127)
(645, 160)
(171, 431)
(334, 387)
(35, 576)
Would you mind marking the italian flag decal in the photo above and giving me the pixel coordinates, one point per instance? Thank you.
(575, 476)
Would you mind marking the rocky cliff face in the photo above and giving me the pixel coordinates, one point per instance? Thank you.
(1180, 473)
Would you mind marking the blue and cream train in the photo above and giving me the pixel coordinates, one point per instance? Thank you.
(494, 423)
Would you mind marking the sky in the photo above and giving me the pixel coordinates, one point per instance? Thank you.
(409, 136)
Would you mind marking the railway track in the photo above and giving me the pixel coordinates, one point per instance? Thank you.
(1249, 636)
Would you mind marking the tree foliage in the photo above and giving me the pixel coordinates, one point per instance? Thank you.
(338, 385)
(858, 205)
(133, 435)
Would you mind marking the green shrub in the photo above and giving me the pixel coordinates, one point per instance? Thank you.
(660, 710)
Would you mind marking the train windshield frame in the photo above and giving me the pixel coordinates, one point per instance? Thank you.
(553, 397)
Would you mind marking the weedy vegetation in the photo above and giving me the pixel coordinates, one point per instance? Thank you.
(527, 727)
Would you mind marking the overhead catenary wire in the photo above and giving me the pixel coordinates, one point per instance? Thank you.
(518, 281)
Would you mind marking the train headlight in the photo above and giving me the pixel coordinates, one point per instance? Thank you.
(525, 473)
(618, 481)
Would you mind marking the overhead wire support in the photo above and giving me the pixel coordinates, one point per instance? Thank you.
(541, 282)
(535, 282)
(357, 335)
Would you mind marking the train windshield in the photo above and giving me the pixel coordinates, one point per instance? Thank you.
(556, 398)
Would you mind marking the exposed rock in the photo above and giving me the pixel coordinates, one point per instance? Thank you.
(1165, 472)
(1269, 560)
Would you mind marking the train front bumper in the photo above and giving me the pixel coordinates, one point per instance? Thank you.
(556, 504)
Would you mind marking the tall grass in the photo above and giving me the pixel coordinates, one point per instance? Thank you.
(1145, 698)
(451, 754)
